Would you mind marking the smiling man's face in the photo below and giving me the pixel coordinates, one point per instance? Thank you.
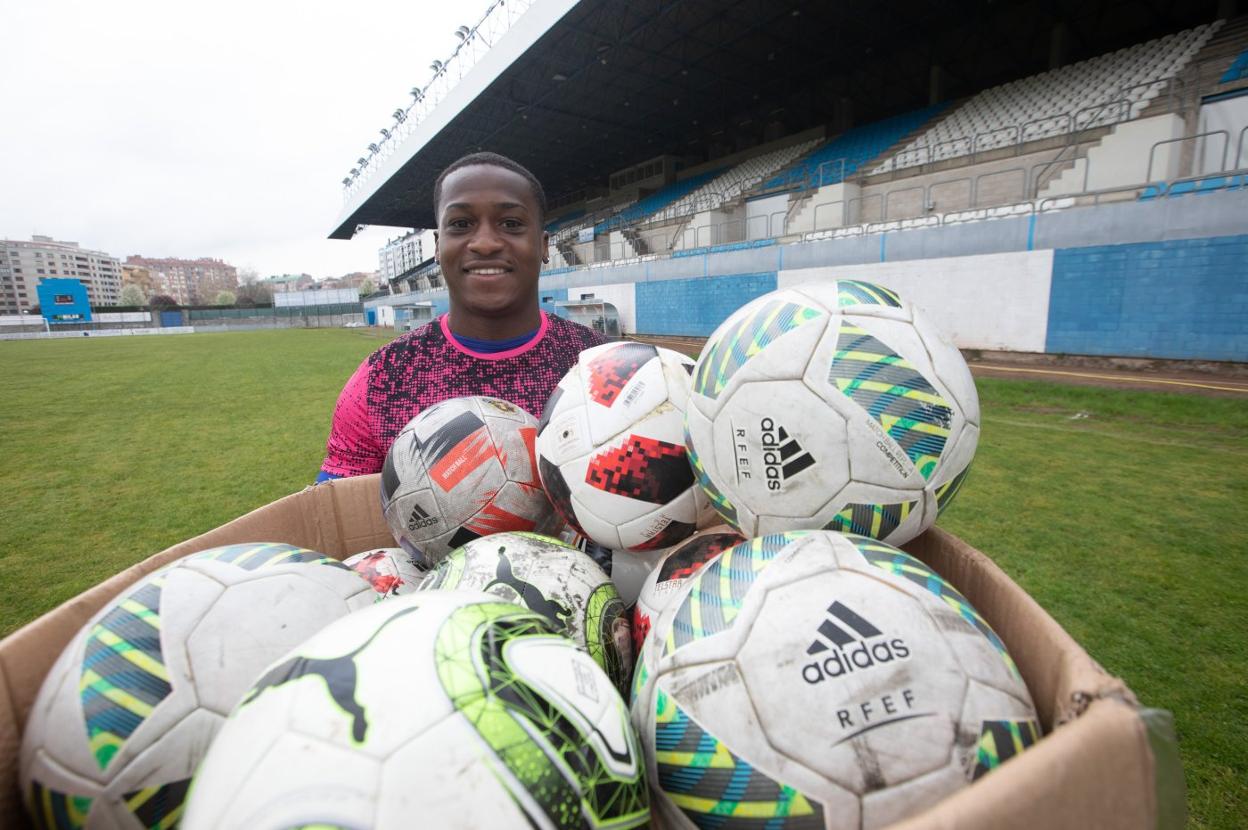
(490, 244)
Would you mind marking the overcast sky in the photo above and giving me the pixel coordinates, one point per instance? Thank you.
(221, 129)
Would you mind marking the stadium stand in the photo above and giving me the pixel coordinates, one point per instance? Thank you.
(1027, 185)
(1097, 92)
(843, 156)
(655, 202)
(733, 182)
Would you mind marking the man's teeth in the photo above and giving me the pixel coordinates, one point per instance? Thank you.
(486, 271)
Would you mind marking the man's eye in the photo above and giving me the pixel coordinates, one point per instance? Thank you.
(458, 224)
(513, 224)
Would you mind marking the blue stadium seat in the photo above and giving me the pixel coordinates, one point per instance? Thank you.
(857, 146)
(656, 201)
(1237, 70)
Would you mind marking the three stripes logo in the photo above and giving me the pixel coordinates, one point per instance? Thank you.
(847, 642)
(418, 518)
(783, 457)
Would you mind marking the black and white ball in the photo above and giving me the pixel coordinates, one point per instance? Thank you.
(125, 715)
(553, 579)
(823, 679)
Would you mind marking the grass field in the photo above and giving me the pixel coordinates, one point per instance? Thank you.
(1122, 513)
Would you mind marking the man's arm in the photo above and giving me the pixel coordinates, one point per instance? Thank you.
(352, 448)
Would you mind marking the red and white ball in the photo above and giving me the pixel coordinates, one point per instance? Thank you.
(611, 450)
(391, 571)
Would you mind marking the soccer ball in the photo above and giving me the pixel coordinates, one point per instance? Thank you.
(557, 581)
(611, 449)
(680, 563)
(391, 571)
(461, 469)
(832, 405)
(835, 681)
(127, 711)
(437, 709)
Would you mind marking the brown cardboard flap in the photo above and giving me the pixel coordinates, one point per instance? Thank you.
(1093, 772)
(1060, 675)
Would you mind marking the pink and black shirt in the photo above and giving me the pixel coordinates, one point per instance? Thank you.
(427, 366)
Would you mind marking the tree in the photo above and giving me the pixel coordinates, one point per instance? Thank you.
(132, 294)
(162, 301)
(224, 298)
(258, 293)
(248, 276)
(367, 287)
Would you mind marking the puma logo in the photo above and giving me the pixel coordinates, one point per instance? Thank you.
(339, 674)
(530, 595)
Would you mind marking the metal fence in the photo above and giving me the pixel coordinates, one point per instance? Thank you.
(309, 317)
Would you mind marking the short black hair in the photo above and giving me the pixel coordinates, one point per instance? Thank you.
(492, 160)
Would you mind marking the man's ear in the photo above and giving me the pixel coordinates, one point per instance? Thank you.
(545, 246)
(436, 252)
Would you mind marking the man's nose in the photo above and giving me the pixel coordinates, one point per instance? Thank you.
(485, 240)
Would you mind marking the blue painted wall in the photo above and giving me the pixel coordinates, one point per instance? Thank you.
(63, 301)
(696, 306)
(551, 296)
(1180, 299)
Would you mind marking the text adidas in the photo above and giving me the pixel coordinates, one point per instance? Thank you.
(860, 655)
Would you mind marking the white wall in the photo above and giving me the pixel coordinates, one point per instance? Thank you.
(758, 215)
(1230, 115)
(621, 295)
(825, 208)
(121, 317)
(1122, 158)
(992, 301)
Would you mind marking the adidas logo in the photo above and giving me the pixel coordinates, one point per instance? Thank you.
(783, 457)
(848, 642)
(419, 518)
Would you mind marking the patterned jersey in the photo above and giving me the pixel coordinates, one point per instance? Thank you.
(426, 366)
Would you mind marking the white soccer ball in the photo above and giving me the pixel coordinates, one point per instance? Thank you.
(127, 711)
(555, 580)
(438, 709)
(461, 469)
(678, 564)
(391, 571)
(831, 405)
(827, 679)
(611, 448)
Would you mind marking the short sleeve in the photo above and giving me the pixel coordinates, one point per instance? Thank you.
(352, 448)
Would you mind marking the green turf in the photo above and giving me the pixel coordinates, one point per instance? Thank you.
(115, 448)
(1120, 512)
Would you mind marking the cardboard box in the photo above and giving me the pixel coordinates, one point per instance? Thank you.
(1104, 762)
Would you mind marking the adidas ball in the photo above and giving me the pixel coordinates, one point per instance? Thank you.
(611, 449)
(461, 469)
(833, 405)
(823, 680)
(553, 579)
(391, 571)
(438, 709)
(127, 711)
(678, 564)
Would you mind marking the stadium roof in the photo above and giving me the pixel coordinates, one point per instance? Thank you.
(578, 90)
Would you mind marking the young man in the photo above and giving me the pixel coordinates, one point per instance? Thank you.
(495, 340)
